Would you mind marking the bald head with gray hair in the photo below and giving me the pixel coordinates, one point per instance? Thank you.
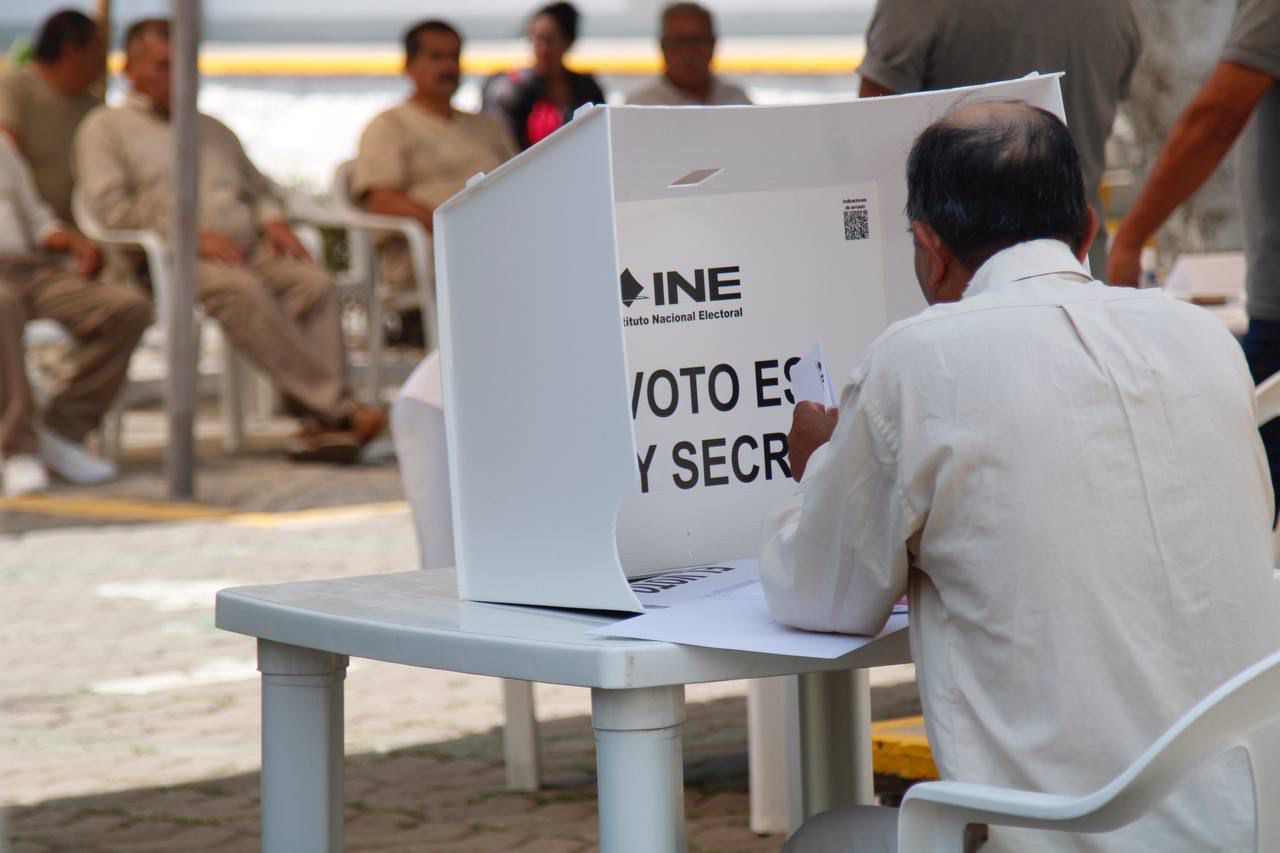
(994, 174)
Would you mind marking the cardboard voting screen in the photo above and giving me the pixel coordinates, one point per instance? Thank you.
(620, 307)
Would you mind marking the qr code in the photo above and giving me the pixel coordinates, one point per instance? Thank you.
(856, 224)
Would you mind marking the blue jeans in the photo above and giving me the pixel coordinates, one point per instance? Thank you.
(1262, 350)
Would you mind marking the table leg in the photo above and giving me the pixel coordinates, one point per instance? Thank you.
(639, 768)
(767, 752)
(864, 779)
(520, 735)
(829, 728)
(302, 806)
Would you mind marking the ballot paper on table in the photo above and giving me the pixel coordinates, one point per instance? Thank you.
(810, 380)
(684, 585)
(736, 616)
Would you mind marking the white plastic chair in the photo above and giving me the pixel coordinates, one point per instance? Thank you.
(1267, 397)
(368, 225)
(160, 273)
(1244, 712)
(417, 427)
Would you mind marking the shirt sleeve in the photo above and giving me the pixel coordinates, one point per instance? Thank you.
(261, 192)
(40, 220)
(101, 179)
(10, 108)
(503, 143)
(378, 163)
(898, 41)
(501, 99)
(834, 556)
(1254, 41)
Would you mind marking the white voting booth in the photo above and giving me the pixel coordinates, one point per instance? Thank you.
(620, 306)
(599, 426)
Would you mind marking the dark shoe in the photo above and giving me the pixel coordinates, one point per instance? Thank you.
(334, 447)
(404, 329)
(367, 423)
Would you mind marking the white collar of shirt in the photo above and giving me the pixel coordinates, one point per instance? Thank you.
(1032, 259)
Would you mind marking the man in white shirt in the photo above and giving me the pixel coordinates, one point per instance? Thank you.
(1064, 478)
(688, 44)
(106, 319)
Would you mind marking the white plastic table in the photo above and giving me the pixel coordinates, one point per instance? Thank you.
(307, 630)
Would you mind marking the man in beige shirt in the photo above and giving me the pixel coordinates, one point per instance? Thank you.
(254, 277)
(105, 319)
(43, 103)
(413, 156)
(688, 44)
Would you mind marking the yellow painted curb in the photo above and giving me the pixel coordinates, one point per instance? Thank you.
(320, 515)
(901, 748)
(113, 509)
(120, 509)
(364, 64)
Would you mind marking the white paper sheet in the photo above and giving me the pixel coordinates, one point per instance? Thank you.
(810, 379)
(685, 585)
(738, 619)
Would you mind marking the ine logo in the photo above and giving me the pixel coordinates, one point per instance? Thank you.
(631, 289)
(714, 284)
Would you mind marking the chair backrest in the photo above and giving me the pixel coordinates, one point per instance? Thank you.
(420, 245)
(1267, 396)
(359, 245)
(153, 246)
(417, 425)
(1244, 712)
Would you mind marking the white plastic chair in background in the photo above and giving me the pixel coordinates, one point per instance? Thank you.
(160, 274)
(417, 426)
(364, 255)
(1267, 397)
(1244, 712)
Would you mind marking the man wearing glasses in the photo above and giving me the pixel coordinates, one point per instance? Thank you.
(688, 44)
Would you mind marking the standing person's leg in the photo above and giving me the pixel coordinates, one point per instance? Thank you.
(258, 327)
(1261, 345)
(107, 320)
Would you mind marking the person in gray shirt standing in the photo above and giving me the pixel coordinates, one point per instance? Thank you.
(1239, 100)
(921, 45)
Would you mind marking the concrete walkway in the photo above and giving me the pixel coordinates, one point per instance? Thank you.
(128, 723)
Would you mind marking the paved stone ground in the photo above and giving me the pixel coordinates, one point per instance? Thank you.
(127, 722)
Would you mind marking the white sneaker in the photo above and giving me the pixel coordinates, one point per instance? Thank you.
(72, 462)
(24, 475)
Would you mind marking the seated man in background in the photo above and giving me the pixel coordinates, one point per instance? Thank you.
(413, 156)
(43, 103)
(1066, 480)
(254, 277)
(106, 319)
(688, 44)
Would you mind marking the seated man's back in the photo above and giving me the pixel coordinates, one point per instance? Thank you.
(1067, 480)
(1094, 529)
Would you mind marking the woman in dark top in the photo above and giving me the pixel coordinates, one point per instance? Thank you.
(534, 102)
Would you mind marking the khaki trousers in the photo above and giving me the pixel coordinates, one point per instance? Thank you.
(283, 314)
(106, 320)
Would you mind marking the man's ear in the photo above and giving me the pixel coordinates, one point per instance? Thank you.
(937, 258)
(1090, 234)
